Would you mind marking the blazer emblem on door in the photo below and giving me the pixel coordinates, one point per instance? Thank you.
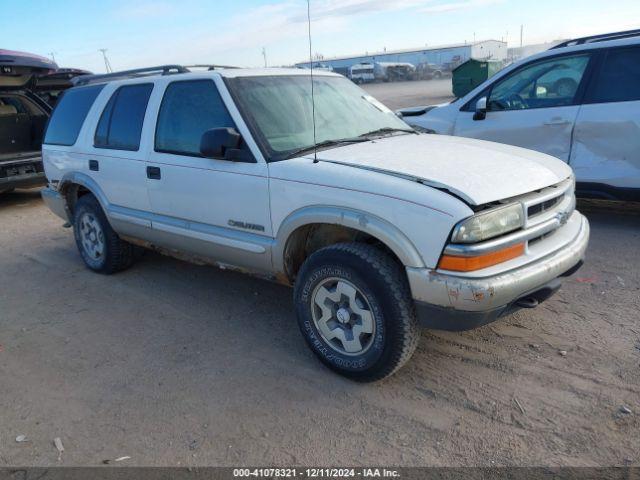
(245, 225)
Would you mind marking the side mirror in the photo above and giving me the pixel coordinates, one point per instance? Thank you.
(481, 109)
(220, 143)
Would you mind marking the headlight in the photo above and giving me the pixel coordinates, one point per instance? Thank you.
(489, 224)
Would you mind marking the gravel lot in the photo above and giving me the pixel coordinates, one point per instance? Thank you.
(411, 94)
(176, 364)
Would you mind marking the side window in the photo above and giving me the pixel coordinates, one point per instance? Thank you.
(188, 109)
(120, 124)
(619, 78)
(67, 118)
(548, 83)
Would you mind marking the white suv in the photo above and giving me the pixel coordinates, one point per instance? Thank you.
(377, 227)
(579, 101)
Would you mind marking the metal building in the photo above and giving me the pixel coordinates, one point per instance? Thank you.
(445, 55)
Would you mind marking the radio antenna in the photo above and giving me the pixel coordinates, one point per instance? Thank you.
(313, 100)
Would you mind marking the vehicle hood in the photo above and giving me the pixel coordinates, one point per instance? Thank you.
(477, 171)
(416, 111)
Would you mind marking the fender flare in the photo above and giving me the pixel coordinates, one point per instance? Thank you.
(87, 182)
(377, 227)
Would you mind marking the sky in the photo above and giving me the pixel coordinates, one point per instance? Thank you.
(143, 33)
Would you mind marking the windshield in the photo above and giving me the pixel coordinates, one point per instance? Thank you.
(280, 110)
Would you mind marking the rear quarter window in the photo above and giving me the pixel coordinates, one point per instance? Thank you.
(69, 115)
(120, 125)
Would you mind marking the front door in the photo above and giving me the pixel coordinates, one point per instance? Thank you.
(534, 107)
(208, 207)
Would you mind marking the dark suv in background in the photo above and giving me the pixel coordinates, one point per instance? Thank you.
(29, 86)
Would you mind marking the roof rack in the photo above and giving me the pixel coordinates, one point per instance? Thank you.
(209, 66)
(138, 72)
(598, 38)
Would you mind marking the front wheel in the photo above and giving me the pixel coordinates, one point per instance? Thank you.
(355, 311)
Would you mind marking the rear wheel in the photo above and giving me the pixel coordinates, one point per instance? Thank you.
(99, 245)
(355, 311)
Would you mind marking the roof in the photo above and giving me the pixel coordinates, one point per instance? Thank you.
(179, 72)
(259, 72)
(583, 47)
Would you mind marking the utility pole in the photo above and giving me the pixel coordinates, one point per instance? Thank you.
(107, 65)
(264, 55)
(521, 31)
(53, 57)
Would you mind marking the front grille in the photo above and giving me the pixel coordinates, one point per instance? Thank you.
(544, 206)
(557, 201)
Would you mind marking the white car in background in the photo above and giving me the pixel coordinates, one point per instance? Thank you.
(579, 102)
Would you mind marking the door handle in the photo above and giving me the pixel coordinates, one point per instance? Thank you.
(558, 121)
(154, 173)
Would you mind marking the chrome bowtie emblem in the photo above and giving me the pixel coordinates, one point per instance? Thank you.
(563, 217)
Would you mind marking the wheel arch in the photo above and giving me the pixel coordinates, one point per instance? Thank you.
(291, 243)
(75, 184)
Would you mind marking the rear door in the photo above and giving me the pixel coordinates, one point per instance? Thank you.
(606, 143)
(116, 156)
(535, 106)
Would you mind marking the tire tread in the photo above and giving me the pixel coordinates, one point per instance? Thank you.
(394, 277)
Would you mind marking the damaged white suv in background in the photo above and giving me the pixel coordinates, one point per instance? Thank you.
(579, 101)
(379, 229)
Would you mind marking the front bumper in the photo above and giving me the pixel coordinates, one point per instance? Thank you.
(448, 302)
(55, 202)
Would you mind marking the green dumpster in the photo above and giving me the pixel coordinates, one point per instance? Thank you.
(472, 73)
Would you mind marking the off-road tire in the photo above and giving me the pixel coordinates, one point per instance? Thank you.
(118, 254)
(383, 282)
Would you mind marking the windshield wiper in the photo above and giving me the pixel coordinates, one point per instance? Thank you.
(383, 130)
(325, 143)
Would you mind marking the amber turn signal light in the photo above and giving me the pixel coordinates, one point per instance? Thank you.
(468, 264)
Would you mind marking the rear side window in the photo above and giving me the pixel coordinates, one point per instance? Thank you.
(120, 124)
(619, 78)
(68, 116)
(189, 109)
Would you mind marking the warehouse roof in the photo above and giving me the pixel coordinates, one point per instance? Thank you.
(405, 50)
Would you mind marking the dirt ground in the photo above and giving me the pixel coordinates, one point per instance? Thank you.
(175, 364)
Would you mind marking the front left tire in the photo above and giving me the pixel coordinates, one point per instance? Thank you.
(355, 311)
